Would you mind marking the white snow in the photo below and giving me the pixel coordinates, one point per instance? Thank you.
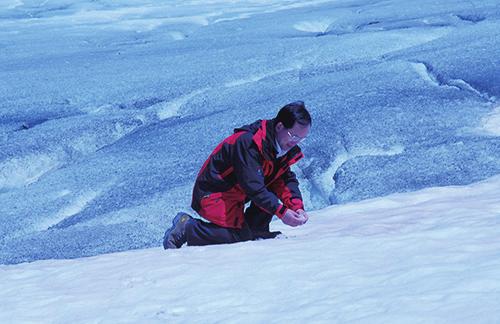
(21, 171)
(313, 26)
(177, 35)
(172, 108)
(425, 257)
(10, 4)
(262, 76)
(491, 123)
(129, 15)
(73, 208)
(422, 71)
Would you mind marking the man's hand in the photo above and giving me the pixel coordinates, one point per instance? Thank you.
(293, 219)
(302, 213)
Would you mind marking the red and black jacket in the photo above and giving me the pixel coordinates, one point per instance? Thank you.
(245, 167)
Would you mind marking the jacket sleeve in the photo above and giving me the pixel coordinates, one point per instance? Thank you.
(247, 163)
(287, 189)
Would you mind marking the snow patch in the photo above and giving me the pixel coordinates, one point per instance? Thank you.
(491, 123)
(319, 27)
(86, 144)
(249, 8)
(259, 77)
(237, 17)
(424, 73)
(122, 129)
(148, 16)
(91, 142)
(103, 16)
(62, 193)
(21, 171)
(140, 18)
(139, 25)
(143, 119)
(177, 35)
(171, 108)
(11, 4)
(76, 206)
(463, 85)
(143, 25)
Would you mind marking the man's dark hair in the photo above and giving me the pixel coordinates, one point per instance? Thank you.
(292, 113)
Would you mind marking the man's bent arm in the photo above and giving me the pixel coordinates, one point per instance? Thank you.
(247, 164)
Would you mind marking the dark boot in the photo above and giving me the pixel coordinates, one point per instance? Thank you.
(175, 236)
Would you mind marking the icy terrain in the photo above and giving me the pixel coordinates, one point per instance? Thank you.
(425, 257)
(109, 108)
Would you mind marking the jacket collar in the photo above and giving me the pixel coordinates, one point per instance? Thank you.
(265, 139)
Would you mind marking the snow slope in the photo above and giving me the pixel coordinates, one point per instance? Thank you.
(429, 256)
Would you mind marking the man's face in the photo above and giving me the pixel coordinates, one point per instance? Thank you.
(289, 137)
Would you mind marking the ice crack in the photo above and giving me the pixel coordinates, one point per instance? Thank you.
(428, 73)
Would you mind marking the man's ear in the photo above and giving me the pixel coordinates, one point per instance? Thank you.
(279, 126)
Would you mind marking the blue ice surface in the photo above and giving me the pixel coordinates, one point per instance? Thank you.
(103, 129)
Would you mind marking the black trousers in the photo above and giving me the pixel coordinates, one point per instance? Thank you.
(256, 226)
